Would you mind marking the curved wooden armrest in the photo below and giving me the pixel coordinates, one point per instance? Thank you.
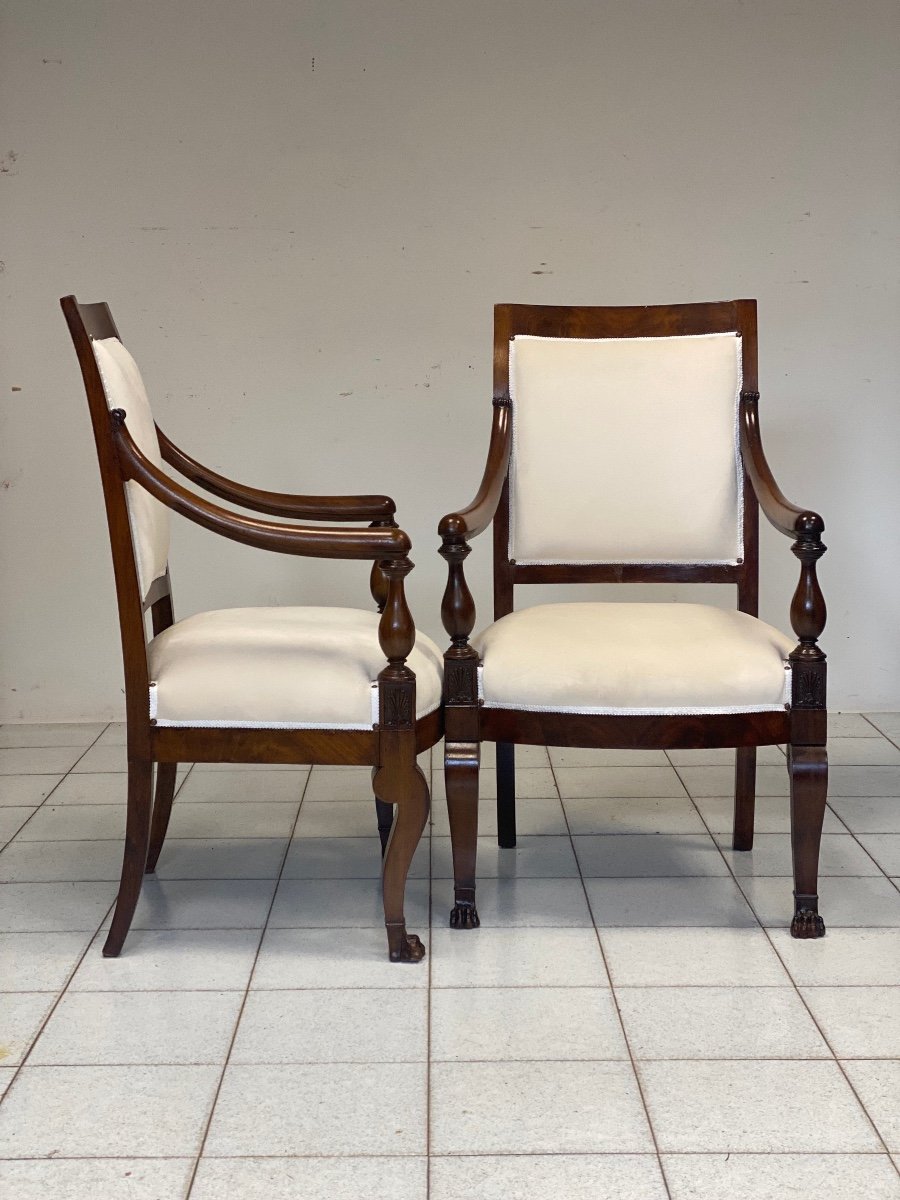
(787, 518)
(278, 504)
(380, 543)
(468, 522)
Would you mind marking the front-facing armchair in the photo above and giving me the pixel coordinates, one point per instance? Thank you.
(625, 448)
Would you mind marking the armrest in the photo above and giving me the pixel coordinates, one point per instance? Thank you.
(787, 518)
(468, 522)
(380, 543)
(278, 504)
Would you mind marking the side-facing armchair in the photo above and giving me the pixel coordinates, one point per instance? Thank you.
(253, 685)
(625, 448)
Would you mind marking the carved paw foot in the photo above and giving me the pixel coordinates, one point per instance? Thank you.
(807, 924)
(405, 948)
(464, 915)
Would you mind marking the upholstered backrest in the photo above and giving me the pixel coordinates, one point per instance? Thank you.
(625, 450)
(149, 519)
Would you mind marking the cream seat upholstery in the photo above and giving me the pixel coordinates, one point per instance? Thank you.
(640, 659)
(279, 668)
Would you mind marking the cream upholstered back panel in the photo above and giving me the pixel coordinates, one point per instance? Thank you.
(148, 518)
(625, 450)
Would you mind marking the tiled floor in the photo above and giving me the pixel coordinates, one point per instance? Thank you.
(631, 1022)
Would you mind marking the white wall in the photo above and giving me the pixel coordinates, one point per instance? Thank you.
(302, 214)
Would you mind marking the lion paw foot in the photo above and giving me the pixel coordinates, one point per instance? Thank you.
(408, 948)
(464, 915)
(807, 924)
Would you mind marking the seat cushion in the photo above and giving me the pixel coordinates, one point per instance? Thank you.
(279, 668)
(641, 659)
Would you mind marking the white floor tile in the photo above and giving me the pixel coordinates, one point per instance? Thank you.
(675, 814)
(864, 781)
(859, 1022)
(62, 734)
(719, 781)
(39, 962)
(353, 783)
(53, 907)
(7, 1074)
(765, 756)
(845, 957)
(26, 791)
(345, 858)
(719, 1022)
(576, 756)
(256, 768)
(75, 822)
(336, 958)
(617, 782)
(39, 760)
(244, 787)
(878, 1085)
(853, 724)
(843, 901)
(888, 723)
(692, 957)
(335, 903)
(21, 1017)
(535, 817)
(772, 815)
(119, 1028)
(341, 818)
(173, 959)
(508, 1024)
(521, 902)
(535, 1177)
(135, 1111)
(335, 1109)
(11, 821)
(292, 1178)
(333, 1026)
(534, 783)
(530, 858)
(839, 854)
(661, 902)
(526, 958)
(773, 1107)
(221, 858)
(777, 1176)
(103, 758)
(862, 751)
(203, 903)
(89, 1179)
(621, 855)
(73, 861)
(885, 849)
(115, 734)
(259, 820)
(92, 788)
(536, 1108)
(873, 814)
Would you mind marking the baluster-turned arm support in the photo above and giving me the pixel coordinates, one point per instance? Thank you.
(456, 530)
(808, 610)
(396, 636)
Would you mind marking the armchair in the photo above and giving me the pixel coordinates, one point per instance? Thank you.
(252, 685)
(625, 448)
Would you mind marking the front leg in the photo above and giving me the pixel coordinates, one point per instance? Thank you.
(808, 766)
(400, 781)
(461, 765)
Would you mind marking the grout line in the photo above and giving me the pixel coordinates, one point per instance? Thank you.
(615, 1000)
(768, 935)
(237, 1023)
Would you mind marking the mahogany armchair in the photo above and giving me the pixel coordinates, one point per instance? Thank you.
(625, 448)
(253, 685)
